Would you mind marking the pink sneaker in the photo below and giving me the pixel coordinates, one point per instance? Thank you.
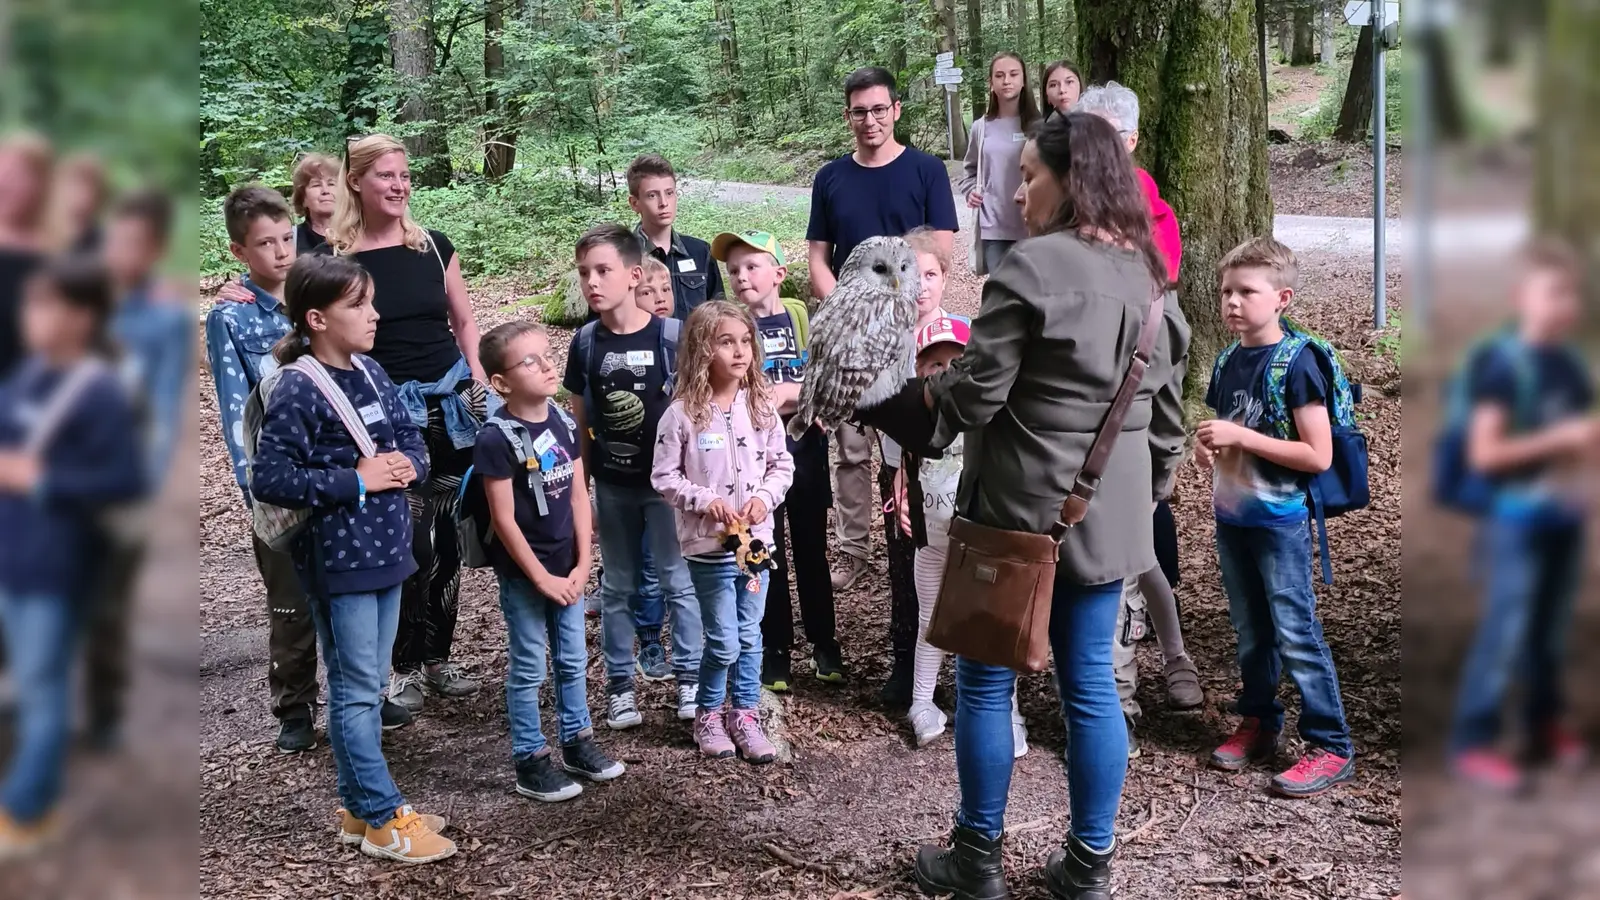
(711, 735)
(745, 724)
(1488, 769)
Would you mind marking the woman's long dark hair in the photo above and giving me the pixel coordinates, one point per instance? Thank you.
(315, 282)
(1102, 193)
(1044, 85)
(1027, 111)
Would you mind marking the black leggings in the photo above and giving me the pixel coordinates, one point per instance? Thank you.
(805, 509)
(902, 586)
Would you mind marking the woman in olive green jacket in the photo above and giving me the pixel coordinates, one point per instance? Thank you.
(1052, 342)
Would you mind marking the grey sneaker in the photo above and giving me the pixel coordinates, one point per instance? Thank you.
(687, 691)
(405, 690)
(622, 710)
(449, 681)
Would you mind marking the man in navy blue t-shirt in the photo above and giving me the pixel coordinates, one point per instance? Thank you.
(883, 188)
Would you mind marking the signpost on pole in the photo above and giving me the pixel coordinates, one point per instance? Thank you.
(1384, 16)
(947, 75)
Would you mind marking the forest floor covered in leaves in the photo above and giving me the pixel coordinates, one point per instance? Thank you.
(846, 817)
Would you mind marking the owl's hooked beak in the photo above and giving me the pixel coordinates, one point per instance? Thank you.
(895, 281)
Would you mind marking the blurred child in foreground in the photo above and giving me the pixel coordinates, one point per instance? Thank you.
(1531, 429)
(69, 452)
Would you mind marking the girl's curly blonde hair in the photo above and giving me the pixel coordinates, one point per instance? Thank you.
(694, 365)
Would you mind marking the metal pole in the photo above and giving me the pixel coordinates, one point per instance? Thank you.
(1419, 134)
(1380, 313)
(949, 120)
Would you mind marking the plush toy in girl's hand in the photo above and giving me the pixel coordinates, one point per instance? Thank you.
(750, 553)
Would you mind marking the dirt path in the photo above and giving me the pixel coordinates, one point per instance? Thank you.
(857, 800)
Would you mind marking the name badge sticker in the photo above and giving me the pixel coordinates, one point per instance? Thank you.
(372, 413)
(713, 441)
(1018, 137)
(543, 442)
(685, 265)
(641, 358)
(774, 344)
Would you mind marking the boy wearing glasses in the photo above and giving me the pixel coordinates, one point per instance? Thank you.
(883, 188)
(539, 508)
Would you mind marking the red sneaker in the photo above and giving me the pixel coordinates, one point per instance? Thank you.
(1487, 769)
(1314, 773)
(1565, 748)
(1248, 742)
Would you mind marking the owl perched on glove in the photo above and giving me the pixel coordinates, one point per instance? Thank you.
(862, 347)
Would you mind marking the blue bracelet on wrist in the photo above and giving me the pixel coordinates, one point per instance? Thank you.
(361, 492)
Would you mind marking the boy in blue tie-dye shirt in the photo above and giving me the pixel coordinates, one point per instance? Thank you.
(1264, 528)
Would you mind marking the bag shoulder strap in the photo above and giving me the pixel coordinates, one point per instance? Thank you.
(514, 433)
(444, 271)
(1094, 465)
(1275, 383)
(312, 369)
(801, 317)
(73, 386)
(671, 330)
(585, 349)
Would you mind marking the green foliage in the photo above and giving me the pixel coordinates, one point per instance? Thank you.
(1391, 341)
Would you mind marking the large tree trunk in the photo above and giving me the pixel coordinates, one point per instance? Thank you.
(974, 59)
(500, 146)
(411, 37)
(1304, 52)
(728, 44)
(1567, 191)
(1355, 114)
(1444, 89)
(1261, 50)
(1285, 38)
(944, 13)
(1325, 27)
(1194, 65)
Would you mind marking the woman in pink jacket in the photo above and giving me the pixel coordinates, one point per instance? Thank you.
(722, 463)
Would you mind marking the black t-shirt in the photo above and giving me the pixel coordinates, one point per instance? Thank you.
(15, 267)
(626, 378)
(306, 240)
(414, 340)
(553, 443)
(1246, 489)
(1538, 387)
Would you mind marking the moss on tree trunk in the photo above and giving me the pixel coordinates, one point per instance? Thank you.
(1203, 128)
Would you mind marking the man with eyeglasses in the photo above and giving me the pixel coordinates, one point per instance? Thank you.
(883, 188)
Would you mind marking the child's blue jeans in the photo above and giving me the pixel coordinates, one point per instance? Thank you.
(626, 517)
(1533, 575)
(538, 628)
(356, 635)
(40, 632)
(731, 615)
(649, 605)
(1266, 571)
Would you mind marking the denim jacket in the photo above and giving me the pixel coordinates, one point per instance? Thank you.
(239, 341)
(459, 422)
(158, 339)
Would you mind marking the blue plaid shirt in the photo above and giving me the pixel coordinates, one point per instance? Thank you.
(239, 342)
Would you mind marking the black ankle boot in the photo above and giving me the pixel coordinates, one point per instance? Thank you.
(969, 869)
(1077, 873)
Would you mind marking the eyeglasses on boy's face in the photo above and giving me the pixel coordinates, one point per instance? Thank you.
(859, 114)
(531, 361)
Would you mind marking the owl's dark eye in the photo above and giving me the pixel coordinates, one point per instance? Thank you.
(879, 268)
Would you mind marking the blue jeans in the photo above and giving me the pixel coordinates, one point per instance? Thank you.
(537, 626)
(1266, 571)
(1532, 582)
(356, 635)
(1082, 619)
(649, 607)
(623, 514)
(732, 616)
(41, 631)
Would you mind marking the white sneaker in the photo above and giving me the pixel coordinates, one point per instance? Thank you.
(687, 691)
(927, 722)
(622, 711)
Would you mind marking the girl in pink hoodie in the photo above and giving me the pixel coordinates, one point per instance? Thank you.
(721, 460)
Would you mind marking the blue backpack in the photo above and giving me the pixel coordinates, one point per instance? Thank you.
(1341, 487)
(1456, 484)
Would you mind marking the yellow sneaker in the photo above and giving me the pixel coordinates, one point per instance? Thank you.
(352, 830)
(19, 841)
(406, 838)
